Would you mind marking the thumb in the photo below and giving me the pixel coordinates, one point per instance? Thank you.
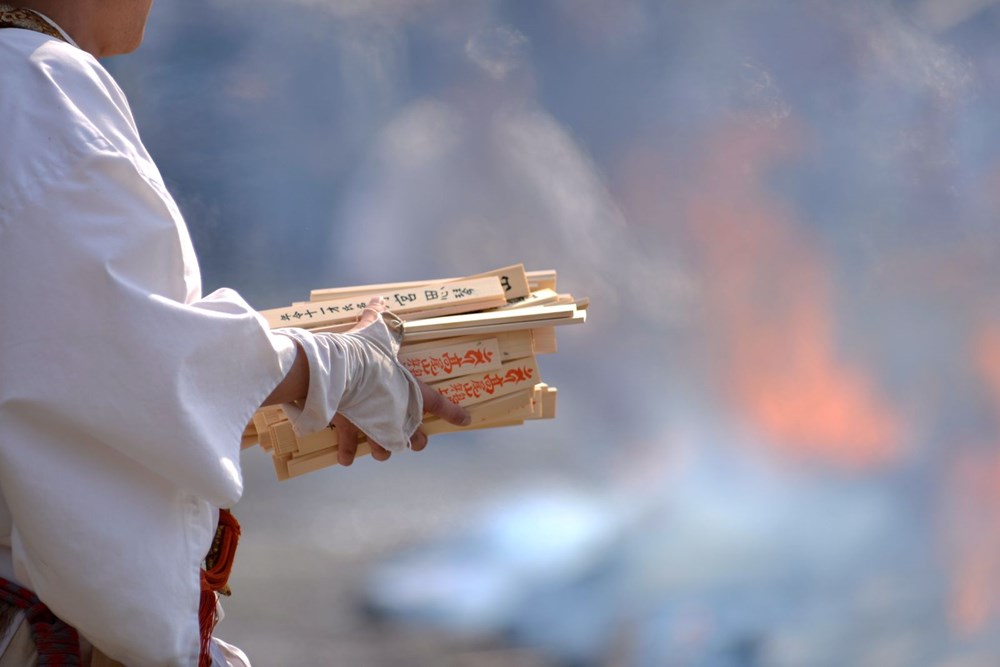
(439, 406)
(369, 315)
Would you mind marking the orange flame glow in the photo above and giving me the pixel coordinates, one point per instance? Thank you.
(767, 302)
(973, 528)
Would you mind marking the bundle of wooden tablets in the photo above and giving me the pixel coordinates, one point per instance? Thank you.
(474, 339)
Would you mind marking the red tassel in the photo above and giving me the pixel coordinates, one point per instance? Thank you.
(215, 579)
(206, 622)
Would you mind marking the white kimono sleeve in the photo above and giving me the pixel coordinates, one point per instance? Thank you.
(123, 392)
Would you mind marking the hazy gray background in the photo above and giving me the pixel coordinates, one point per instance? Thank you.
(777, 440)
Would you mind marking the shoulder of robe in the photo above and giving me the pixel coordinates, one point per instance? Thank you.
(58, 107)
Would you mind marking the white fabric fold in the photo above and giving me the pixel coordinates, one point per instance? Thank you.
(358, 375)
(123, 391)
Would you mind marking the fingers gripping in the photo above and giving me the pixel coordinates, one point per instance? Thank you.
(436, 404)
(433, 402)
(347, 442)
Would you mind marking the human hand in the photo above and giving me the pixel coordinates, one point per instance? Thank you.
(434, 403)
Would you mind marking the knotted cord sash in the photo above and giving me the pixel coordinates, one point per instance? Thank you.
(58, 644)
(215, 579)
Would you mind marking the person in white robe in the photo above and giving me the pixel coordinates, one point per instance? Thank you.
(124, 391)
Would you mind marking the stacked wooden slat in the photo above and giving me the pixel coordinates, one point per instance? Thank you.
(474, 339)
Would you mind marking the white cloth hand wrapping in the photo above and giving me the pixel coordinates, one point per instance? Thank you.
(357, 374)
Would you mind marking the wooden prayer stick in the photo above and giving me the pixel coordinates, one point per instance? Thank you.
(542, 406)
(318, 441)
(406, 316)
(281, 467)
(325, 439)
(537, 298)
(512, 344)
(298, 446)
(544, 402)
(544, 339)
(300, 465)
(283, 438)
(529, 314)
(516, 406)
(513, 278)
(464, 296)
(262, 421)
(549, 397)
(450, 326)
(516, 344)
(578, 317)
(542, 279)
(452, 359)
(511, 377)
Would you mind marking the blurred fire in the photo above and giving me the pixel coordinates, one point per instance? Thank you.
(973, 519)
(767, 300)
(973, 534)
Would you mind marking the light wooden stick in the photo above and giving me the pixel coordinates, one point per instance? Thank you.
(544, 340)
(249, 437)
(513, 344)
(452, 359)
(316, 442)
(537, 298)
(511, 377)
(300, 465)
(521, 315)
(515, 406)
(549, 403)
(283, 438)
(578, 317)
(281, 466)
(513, 278)
(542, 279)
(262, 421)
(466, 296)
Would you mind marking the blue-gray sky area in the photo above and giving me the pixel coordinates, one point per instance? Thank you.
(778, 439)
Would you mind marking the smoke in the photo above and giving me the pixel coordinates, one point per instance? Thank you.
(785, 215)
(496, 185)
(381, 10)
(498, 50)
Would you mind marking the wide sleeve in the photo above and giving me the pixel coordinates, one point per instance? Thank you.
(123, 391)
(103, 339)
